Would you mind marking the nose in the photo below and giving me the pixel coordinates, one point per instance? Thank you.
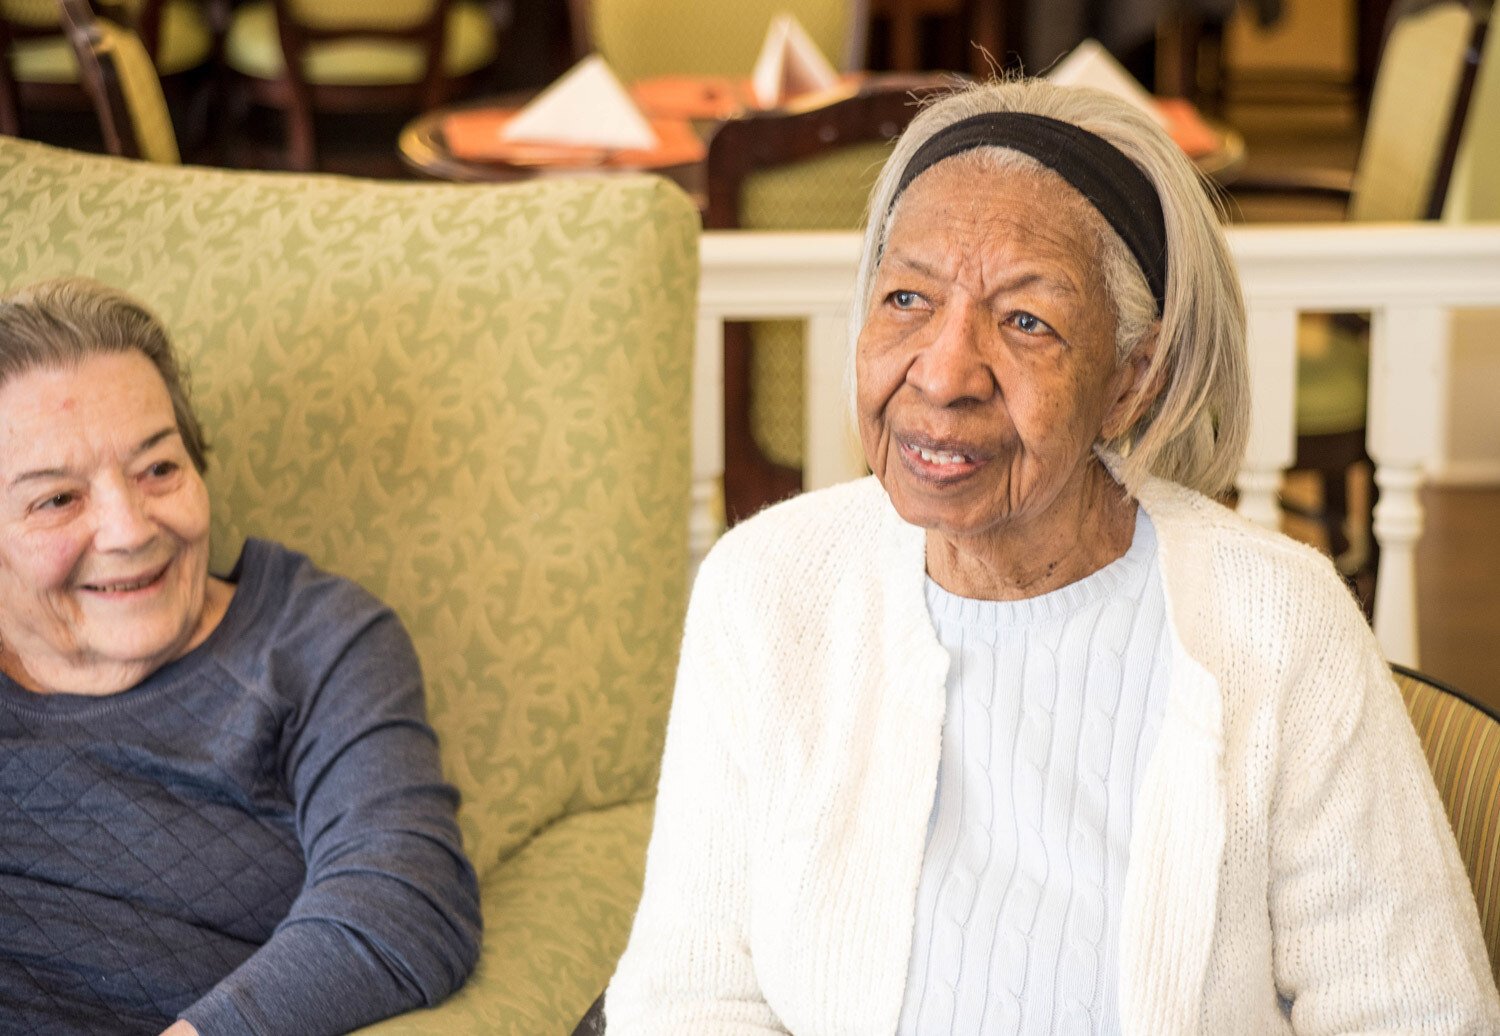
(121, 522)
(952, 368)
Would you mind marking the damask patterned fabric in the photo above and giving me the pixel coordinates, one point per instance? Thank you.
(1463, 748)
(475, 402)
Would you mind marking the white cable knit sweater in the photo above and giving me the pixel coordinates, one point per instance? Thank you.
(1288, 840)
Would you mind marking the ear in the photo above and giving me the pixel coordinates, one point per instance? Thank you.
(1137, 384)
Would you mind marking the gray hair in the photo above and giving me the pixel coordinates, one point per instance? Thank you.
(1194, 432)
(60, 323)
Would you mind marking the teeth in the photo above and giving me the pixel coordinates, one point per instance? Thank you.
(939, 457)
(113, 588)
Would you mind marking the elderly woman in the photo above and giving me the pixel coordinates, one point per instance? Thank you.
(221, 801)
(1026, 734)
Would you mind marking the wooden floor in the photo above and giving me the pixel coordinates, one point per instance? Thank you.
(1458, 590)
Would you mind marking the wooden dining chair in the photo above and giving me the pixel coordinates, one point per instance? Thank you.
(122, 84)
(305, 57)
(807, 168)
(40, 67)
(642, 38)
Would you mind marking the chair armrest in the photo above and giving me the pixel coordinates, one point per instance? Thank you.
(556, 917)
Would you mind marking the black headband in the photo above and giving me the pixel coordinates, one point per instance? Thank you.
(1111, 182)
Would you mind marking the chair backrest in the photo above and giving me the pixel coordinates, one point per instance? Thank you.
(800, 168)
(1462, 740)
(1474, 193)
(474, 400)
(641, 38)
(399, 17)
(122, 85)
(810, 167)
(1416, 112)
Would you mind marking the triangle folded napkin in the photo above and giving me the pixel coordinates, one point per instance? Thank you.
(587, 107)
(790, 64)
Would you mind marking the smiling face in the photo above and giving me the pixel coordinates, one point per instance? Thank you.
(986, 369)
(103, 528)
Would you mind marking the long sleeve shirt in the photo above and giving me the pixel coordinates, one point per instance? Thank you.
(256, 838)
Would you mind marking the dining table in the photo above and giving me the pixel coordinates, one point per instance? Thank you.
(463, 143)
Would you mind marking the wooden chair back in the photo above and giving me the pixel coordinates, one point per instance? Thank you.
(807, 167)
(122, 85)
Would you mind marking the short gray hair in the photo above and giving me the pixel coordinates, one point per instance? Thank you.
(1194, 432)
(59, 323)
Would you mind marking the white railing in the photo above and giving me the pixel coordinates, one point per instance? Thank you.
(1409, 278)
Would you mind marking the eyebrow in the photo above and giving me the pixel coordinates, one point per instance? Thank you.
(148, 443)
(1026, 279)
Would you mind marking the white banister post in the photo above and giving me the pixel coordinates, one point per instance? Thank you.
(708, 437)
(830, 455)
(1408, 348)
(1272, 332)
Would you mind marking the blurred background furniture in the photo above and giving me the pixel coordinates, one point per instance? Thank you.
(121, 82)
(41, 72)
(305, 57)
(475, 402)
(793, 169)
(643, 38)
(1461, 738)
(1406, 161)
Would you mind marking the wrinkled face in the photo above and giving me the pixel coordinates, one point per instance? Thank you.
(986, 368)
(103, 525)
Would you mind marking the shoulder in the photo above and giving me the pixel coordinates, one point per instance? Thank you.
(1194, 529)
(289, 586)
(291, 615)
(1248, 600)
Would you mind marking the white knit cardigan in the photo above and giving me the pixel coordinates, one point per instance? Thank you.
(1288, 841)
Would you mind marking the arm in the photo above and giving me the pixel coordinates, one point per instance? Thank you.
(687, 968)
(1373, 918)
(388, 916)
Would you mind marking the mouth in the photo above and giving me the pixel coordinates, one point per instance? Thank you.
(128, 584)
(939, 460)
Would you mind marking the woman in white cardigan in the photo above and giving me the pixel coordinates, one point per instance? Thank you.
(1025, 734)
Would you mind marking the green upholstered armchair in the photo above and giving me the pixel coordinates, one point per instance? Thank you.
(475, 401)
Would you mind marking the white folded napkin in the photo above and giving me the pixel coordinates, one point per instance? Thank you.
(587, 107)
(1091, 65)
(789, 64)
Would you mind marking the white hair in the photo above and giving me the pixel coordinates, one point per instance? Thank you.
(1194, 431)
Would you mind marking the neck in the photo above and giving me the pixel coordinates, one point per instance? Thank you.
(1089, 525)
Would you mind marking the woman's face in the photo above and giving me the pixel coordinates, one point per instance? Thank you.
(103, 527)
(986, 368)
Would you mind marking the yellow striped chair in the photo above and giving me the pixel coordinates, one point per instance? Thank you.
(1462, 740)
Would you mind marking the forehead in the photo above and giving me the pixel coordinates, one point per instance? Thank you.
(99, 398)
(984, 205)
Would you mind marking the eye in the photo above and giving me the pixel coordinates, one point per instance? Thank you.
(161, 469)
(903, 299)
(55, 502)
(1030, 324)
